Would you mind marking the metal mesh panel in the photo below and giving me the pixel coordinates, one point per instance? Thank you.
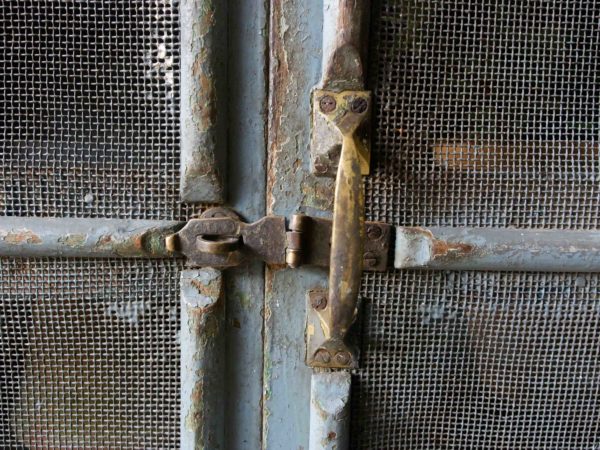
(89, 354)
(487, 114)
(89, 99)
(89, 127)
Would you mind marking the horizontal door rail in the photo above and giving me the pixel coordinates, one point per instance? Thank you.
(436, 248)
(84, 238)
(501, 249)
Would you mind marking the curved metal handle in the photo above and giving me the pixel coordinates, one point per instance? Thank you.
(347, 111)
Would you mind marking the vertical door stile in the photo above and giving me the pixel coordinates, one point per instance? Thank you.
(202, 359)
(202, 107)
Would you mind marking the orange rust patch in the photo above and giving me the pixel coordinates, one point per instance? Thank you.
(441, 249)
(209, 290)
(104, 240)
(22, 237)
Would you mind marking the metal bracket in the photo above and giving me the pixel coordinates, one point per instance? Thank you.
(321, 350)
(220, 239)
(326, 139)
(309, 243)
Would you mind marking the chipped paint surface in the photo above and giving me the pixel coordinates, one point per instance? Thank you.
(98, 238)
(73, 240)
(203, 38)
(296, 29)
(464, 248)
(21, 236)
(330, 410)
(202, 359)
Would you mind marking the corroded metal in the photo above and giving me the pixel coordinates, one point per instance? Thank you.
(330, 411)
(499, 249)
(80, 238)
(264, 240)
(347, 237)
(345, 32)
(203, 46)
(310, 242)
(202, 359)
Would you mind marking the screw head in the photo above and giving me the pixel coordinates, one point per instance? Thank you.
(322, 356)
(321, 167)
(369, 259)
(359, 105)
(343, 358)
(374, 232)
(318, 300)
(327, 104)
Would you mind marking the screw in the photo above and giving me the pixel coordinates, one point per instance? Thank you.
(322, 356)
(369, 259)
(318, 300)
(343, 358)
(374, 232)
(327, 104)
(321, 167)
(359, 105)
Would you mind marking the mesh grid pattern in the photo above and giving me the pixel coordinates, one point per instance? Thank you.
(90, 354)
(89, 127)
(90, 117)
(487, 114)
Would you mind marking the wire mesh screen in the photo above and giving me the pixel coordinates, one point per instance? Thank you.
(89, 127)
(89, 354)
(487, 114)
(89, 99)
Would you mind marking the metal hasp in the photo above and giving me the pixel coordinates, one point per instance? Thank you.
(347, 111)
(202, 106)
(26, 237)
(498, 249)
(202, 359)
(227, 241)
(329, 410)
(220, 239)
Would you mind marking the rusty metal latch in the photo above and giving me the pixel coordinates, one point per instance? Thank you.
(220, 239)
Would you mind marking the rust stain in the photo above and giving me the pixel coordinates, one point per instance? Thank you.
(104, 241)
(443, 249)
(317, 192)
(211, 290)
(278, 82)
(20, 237)
(331, 436)
(73, 240)
(194, 418)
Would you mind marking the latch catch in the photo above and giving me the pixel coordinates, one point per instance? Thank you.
(220, 239)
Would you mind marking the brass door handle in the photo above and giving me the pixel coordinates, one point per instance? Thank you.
(348, 111)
